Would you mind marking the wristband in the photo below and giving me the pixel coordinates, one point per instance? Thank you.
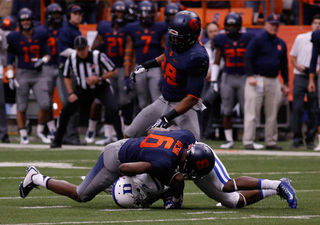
(10, 74)
(45, 59)
(150, 64)
(71, 93)
(171, 115)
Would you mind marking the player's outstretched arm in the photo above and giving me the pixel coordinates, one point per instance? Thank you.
(131, 169)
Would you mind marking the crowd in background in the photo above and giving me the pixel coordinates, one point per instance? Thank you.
(62, 26)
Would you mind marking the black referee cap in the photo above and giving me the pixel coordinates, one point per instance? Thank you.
(80, 42)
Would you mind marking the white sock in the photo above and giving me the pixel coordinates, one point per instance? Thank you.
(269, 184)
(52, 126)
(40, 128)
(319, 138)
(113, 131)
(23, 133)
(107, 130)
(267, 193)
(40, 180)
(228, 134)
(92, 125)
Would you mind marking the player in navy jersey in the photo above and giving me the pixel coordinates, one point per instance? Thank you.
(184, 65)
(30, 47)
(111, 37)
(230, 46)
(158, 154)
(54, 20)
(145, 41)
(312, 86)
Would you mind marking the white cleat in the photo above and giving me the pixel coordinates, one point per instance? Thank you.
(257, 146)
(27, 184)
(317, 148)
(89, 137)
(227, 145)
(104, 141)
(43, 138)
(24, 140)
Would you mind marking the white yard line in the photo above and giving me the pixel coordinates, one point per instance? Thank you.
(252, 217)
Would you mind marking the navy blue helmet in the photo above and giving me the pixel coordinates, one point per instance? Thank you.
(8, 23)
(184, 30)
(171, 10)
(132, 11)
(232, 25)
(146, 13)
(199, 162)
(54, 14)
(25, 14)
(119, 6)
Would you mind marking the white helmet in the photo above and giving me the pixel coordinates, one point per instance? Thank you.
(125, 193)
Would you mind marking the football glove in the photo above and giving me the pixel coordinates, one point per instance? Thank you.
(137, 70)
(170, 204)
(214, 86)
(12, 82)
(38, 64)
(128, 84)
(162, 122)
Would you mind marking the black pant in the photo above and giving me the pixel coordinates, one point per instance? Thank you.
(86, 97)
(300, 89)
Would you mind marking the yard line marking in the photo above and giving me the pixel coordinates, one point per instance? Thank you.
(116, 210)
(178, 220)
(42, 165)
(45, 207)
(209, 212)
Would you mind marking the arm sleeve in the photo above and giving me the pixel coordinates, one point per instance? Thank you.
(106, 62)
(248, 57)
(66, 71)
(284, 65)
(11, 52)
(314, 58)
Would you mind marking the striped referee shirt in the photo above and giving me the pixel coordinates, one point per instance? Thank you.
(96, 64)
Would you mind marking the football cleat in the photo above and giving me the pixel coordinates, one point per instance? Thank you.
(227, 145)
(317, 148)
(24, 140)
(51, 135)
(104, 141)
(89, 137)
(27, 184)
(257, 146)
(286, 191)
(43, 138)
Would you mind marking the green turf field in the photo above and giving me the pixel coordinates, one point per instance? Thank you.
(43, 207)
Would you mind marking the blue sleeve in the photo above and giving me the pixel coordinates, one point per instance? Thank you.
(217, 41)
(314, 58)
(284, 65)
(11, 51)
(63, 43)
(248, 57)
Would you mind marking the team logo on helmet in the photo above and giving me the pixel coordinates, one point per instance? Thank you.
(194, 25)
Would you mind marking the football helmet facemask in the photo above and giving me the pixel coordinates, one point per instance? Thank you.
(184, 30)
(116, 10)
(199, 161)
(232, 25)
(146, 13)
(54, 14)
(126, 193)
(25, 14)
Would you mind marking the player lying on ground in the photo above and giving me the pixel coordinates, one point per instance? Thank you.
(232, 193)
(158, 154)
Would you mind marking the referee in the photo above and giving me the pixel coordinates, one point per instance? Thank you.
(91, 69)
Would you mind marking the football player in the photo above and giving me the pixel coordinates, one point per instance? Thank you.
(184, 65)
(111, 37)
(146, 39)
(158, 154)
(230, 46)
(54, 20)
(170, 11)
(30, 46)
(132, 11)
(231, 193)
(312, 86)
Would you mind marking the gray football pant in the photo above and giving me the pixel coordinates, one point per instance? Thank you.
(149, 115)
